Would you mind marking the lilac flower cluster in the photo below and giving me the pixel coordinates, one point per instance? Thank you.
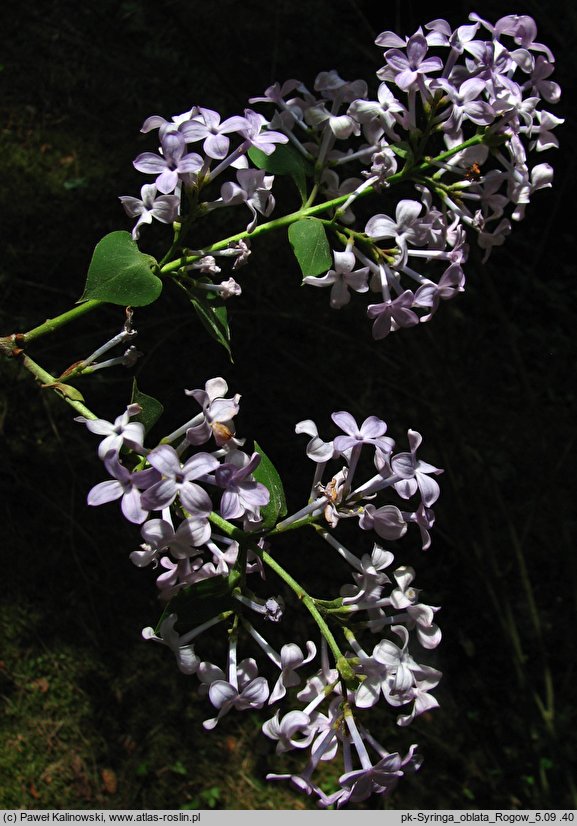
(191, 538)
(329, 721)
(177, 488)
(471, 97)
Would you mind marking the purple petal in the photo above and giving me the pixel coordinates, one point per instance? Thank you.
(194, 131)
(431, 64)
(195, 499)
(199, 465)
(417, 48)
(407, 211)
(149, 163)
(221, 692)
(405, 80)
(429, 489)
(255, 694)
(396, 59)
(216, 146)
(346, 423)
(340, 295)
(403, 465)
(230, 505)
(105, 492)
(160, 495)
(190, 163)
(165, 459)
(343, 443)
(381, 226)
(132, 508)
(373, 427)
(406, 488)
(167, 181)
(234, 124)
(157, 532)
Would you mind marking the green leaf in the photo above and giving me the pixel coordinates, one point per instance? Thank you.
(285, 160)
(310, 246)
(213, 316)
(267, 474)
(152, 409)
(120, 274)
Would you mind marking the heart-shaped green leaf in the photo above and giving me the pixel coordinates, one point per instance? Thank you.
(310, 246)
(120, 274)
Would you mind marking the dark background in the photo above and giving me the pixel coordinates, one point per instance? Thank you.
(93, 717)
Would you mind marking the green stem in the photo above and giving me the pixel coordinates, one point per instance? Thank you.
(300, 523)
(277, 223)
(232, 531)
(48, 381)
(52, 324)
(316, 209)
(343, 666)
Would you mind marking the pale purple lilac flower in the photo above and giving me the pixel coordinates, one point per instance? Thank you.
(125, 485)
(386, 113)
(242, 494)
(429, 295)
(244, 690)
(291, 658)
(466, 104)
(387, 521)
(406, 597)
(209, 129)
(425, 679)
(186, 658)
(520, 27)
(369, 578)
(178, 480)
(407, 226)
(177, 575)
(414, 473)
(540, 86)
(390, 315)
(342, 279)
(121, 432)
(379, 778)
(217, 414)
(253, 189)
(371, 432)
(342, 126)
(425, 519)
(184, 542)
(286, 731)
(173, 164)
(407, 69)
(256, 134)
(163, 208)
